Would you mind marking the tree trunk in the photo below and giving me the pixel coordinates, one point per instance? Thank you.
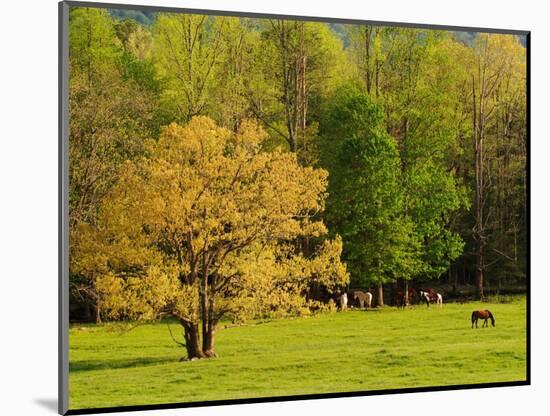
(380, 296)
(204, 311)
(479, 271)
(377, 65)
(87, 312)
(367, 58)
(98, 313)
(209, 325)
(406, 293)
(293, 142)
(208, 341)
(192, 339)
(302, 64)
(479, 227)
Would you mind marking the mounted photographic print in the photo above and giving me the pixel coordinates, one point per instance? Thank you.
(264, 208)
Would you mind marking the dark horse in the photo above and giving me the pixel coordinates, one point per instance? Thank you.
(486, 314)
(401, 300)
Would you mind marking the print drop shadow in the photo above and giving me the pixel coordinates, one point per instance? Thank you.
(49, 403)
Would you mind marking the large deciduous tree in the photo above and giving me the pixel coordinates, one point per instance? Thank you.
(413, 74)
(423, 116)
(220, 215)
(366, 199)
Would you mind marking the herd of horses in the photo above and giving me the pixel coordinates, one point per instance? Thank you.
(363, 299)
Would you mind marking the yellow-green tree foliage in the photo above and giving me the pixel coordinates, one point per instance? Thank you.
(217, 216)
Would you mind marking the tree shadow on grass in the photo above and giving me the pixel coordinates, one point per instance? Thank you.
(91, 365)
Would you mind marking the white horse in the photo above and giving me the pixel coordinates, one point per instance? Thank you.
(369, 299)
(344, 301)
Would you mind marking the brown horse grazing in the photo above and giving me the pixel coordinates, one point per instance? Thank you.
(401, 301)
(486, 314)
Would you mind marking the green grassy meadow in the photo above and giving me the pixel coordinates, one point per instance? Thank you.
(332, 352)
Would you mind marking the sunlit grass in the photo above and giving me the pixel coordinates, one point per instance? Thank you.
(338, 352)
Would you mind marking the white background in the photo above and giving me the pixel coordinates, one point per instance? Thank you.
(28, 205)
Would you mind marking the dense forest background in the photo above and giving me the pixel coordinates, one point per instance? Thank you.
(422, 133)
